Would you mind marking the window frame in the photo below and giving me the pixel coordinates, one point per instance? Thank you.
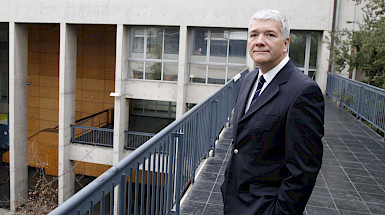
(306, 67)
(207, 63)
(145, 60)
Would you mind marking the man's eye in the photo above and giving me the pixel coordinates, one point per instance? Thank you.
(271, 35)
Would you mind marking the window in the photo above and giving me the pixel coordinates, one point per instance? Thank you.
(303, 51)
(153, 53)
(217, 55)
(152, 108)
(4, 62)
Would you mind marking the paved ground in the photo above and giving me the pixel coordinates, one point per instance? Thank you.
(351, 181)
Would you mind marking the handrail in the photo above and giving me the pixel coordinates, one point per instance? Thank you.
(364, 100)
(164, 165)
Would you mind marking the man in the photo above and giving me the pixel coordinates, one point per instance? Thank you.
(277, 128)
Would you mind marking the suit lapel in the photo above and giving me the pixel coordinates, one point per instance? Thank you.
(244, 95)
(271, 90)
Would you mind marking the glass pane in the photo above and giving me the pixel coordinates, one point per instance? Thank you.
(149, 107)
(199, 45)
(154, 43)
(297, 48)
(218, 46)
(216, 74)
(153, 71)
(137, 43)
(170, 71)
(313, 50)
(197, 73)
(135, 70)
(238, 47)
(3, 86)
(137, 106)
(233, 71)
(171, 43)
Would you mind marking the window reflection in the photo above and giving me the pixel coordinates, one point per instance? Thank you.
(227, 48)
(161, 56)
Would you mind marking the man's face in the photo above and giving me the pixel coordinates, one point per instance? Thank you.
(266, 46)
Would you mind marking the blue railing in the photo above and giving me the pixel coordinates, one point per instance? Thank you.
(366, 101)
(152, 179)
(135, 139)
(92, 135)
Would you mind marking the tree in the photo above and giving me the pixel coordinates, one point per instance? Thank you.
(363, 50)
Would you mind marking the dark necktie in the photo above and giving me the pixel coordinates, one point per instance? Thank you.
(261, 81)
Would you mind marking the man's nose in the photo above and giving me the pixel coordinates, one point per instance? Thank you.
(260, 40)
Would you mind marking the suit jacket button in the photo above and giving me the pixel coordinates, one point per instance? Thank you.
(235, 151)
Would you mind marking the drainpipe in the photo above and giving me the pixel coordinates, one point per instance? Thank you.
(335, 28)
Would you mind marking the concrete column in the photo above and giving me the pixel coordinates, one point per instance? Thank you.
(67, 99)
(18, 129)
(323, 63)
(182, 72)
(121, 108)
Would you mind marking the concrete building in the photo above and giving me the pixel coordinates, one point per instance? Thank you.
(61, 61)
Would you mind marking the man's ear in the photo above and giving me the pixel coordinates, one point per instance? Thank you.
(286, 44)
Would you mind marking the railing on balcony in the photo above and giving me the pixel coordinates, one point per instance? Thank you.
(152, 179)
(366, 101)
(97, 120)
(92, 135)
(135, 139)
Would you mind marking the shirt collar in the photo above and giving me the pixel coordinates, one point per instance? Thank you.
(269, 75)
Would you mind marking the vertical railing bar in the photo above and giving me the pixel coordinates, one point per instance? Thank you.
(169, 176)
(149, 176)
(166, 178)
(143, 186)
(91, 208)
(158, 180)
(102, 203)
(121, 194)
(136, 188)
(163, 178)
(129, 199)
(154, 185)
(178, 176)
(112, 196)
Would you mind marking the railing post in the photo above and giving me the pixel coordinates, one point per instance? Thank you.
(178, 172)
(359, 102)
(121, 194)
(214, 123)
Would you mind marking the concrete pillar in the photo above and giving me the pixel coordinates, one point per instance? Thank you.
(67, 99)
(323, 63)
(181, 106)
(121, 106)
(18, 129)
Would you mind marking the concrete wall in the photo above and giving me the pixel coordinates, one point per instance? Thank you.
(302, 14)
(95, 72)
(43, 77)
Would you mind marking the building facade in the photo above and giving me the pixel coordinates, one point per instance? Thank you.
(62, 60)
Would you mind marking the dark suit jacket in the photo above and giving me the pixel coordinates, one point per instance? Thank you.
(279, 146)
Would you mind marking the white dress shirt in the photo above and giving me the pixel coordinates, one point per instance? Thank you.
(269, 76)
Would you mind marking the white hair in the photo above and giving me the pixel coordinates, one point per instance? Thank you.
(266, 14)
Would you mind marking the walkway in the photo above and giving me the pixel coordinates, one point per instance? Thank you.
(351, 181)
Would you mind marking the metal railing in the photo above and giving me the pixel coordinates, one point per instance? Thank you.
(92, 135)
(152, 179)
(97, 120)
(364, 100)
(135, 139)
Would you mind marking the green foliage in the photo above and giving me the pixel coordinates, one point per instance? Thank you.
(364, 49)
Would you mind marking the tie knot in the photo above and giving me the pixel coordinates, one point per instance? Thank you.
(262, 79)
